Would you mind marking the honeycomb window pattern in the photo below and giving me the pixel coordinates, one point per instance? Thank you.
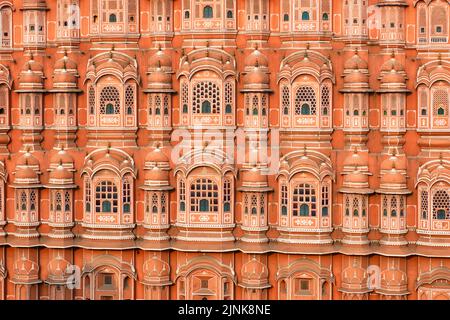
(206, 93)
(305, 101)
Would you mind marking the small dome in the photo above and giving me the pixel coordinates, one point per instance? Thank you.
(25, 267)
(392, 64)
(159, 77)
(393, 77)
(157, 156)
(256, 58)
(393, 161)
(60, 173)
(155, 267)
(356, 177)
(65, 63)
(156, 174)
(356, 159)
(26, 174)
(256, 76)
(393, 177)
(32, 65)
(356, 76)
(27, 159)
(254, 176)
(64, 76)
(57, 267)
(30, 77)
(61, 157)
(160, 60)
(355, 63)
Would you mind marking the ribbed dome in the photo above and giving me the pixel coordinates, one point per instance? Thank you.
(356, 177)
(57, 267)
(254, 176)
(61, 157)
(157, 174)
(393, 77)
(27, 159)
(393, 177)
(256, 76)
(355, 63)
(355, 77)
(256, 58)
(60, 173)
(392, 63)
(156, 156)
(159, 77)
(66, 63)
(26, 173)
(160, 60)
(356, 159)
(64, 76)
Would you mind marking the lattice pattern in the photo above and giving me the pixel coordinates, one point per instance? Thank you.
(106, 197)
(91, 100)
(441, 205)
(129, 100)
(227, 194)
(325, 200)
(58, 201)
(285, 100)
(229, 93)
(204, 196)
(325, 100)
(355, 206)
(440, 102)
(126, 196)
(304, 200)
(261, 203)
(67, 201)
(182, 195)
(184, 97)
(109, 100)
(424, 204)
(87, 195)
(305, 101)
(206, 97)
(347, 205)
(284, 199)
(254, 204)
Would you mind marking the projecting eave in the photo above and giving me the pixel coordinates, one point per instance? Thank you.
(356, 191)
(159, 91)
(393, 191)
(64, 90)
(356, 91)
(156, 188)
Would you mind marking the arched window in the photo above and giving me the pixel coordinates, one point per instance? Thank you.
(226, 195)
(129, 100)
(305, 101)
(441, 205)
(126, 196)
(206, 107)
(182, 195)
(304, 195)
(284, 200)
(206, 97)
(207, 12)
(91, 100)
(304, 210)
(204, 196)
(204, 205)
(106, 197)
(306, 110)
(112, 18)
(109, 109)
(305, 15)
(109, 100)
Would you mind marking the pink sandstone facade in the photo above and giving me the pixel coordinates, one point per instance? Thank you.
(224, 149)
